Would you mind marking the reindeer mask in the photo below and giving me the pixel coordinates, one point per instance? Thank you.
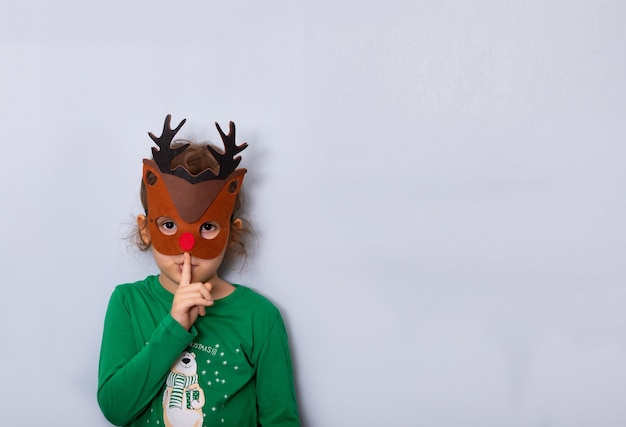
(190, 201)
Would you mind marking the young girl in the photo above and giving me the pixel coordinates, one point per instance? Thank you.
(186, 347)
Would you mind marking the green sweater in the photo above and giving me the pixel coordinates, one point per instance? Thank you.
(232, 368)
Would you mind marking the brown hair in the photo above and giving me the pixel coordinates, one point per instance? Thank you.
(196, 159)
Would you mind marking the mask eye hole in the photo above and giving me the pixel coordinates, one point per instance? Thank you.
(166, 225)
(209, 230)
(232, 187)
(151, 178)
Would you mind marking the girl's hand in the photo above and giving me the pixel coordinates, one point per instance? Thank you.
(190, 299)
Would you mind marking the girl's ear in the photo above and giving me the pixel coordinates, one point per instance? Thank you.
(142, 223)
(236, 225)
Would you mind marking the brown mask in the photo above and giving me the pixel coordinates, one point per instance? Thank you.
(191, 201)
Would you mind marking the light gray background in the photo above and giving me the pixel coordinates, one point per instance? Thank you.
(438, 188)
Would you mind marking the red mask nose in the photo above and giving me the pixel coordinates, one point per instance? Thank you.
(186, 242)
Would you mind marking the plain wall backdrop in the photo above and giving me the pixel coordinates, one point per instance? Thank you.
(438, 188)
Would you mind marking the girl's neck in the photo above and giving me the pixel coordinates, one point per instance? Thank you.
(221, 288)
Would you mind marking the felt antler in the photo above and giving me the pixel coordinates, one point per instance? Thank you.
(165, 154)
(227, 160)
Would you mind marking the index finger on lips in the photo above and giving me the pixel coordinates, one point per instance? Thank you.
(185, 276)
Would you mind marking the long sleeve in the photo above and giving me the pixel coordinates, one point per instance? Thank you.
(276, 394)
(131, 373)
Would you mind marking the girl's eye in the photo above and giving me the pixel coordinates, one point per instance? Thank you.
(166, 226)
(209, 230)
